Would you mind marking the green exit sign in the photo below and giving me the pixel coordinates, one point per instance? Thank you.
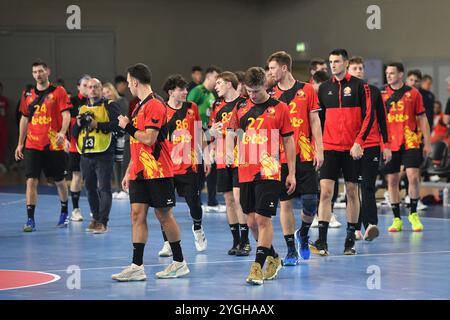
(300, 47)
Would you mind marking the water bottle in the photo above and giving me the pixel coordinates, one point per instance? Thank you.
(445, 197)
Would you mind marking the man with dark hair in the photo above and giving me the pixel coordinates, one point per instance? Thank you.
(184, 129)
(150, 169)
(371, 157)
(4, 105)
(44, 124)
(348, 118)
(428, 98)
(227, 175)
(305, 121)
(241, 87)
(203, 96)
(405, 115)
(414, 78)
(94, 128)
(197, 77)
(263, 121)
(120, 82)
(316, 65)
(77, 101)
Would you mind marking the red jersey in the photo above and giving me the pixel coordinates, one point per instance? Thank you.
(402, 112)
(302, 100)
(43, 109)
(183, 128)
(222, 111)
(77, 101)
(262, 126)
(150, 162)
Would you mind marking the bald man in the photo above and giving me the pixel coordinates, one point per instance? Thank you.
(96, 122)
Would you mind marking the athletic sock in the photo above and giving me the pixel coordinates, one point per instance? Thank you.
(323, 231)
(396, 209)
(64, 206)
(163, 234)
(138, 253)
(197, 224)
(261, 255)
(75, 199)
(235, 232)
(304, 229)
(30, 211)
(244, 232)
(290, 242)
(272, 252)
(413, 208)
(351, 228)
(176, 251)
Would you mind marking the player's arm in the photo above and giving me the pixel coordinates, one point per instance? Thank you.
(316, 130)
(22, 136)
(289, 149)
(126, 177)
(425, 128)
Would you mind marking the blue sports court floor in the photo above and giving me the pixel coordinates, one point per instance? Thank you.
(409, 265)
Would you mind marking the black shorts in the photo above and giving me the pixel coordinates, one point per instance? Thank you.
(260, 196)
(335, 161)
(74, 162)
(307, 180)
(411, 158)
(227, 179)
(53, 163)
(157, 193)
(186, 184)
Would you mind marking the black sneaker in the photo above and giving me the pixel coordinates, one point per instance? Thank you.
(319, 248)
(244, 249)
(349, 248)
(233, 250)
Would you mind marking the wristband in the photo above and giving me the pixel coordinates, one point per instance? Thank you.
(131, 130)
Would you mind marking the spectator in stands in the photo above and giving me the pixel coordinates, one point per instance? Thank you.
(197, 77)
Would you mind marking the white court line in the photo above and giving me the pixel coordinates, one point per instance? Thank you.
(240, 261)
(55, 278)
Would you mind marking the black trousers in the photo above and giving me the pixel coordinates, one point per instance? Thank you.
(211, 184)
(369, 170)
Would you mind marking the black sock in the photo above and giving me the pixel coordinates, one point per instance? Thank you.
(138, 253)
(290, 242)
(396, 209)
(351, 228)
(261, 255)
(272, 252)
(197, 224)
(413, 208)
(304, 229)
(30, 211)
(75, 199)
(244, 232)
(235, 232)
(323, 231)
(64, 206)
(176, 251)
(163, 233)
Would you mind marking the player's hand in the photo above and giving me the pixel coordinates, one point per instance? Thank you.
(207, 168)
(19, 152)
(318, 159)
(356, 151)
(387, 155)
(216, 129)
(126, 182)
(123, 121)
(290, 183)
(60, 138)
(93, 124)
(426, 150)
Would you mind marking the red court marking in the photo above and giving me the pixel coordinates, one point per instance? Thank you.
(15, 279)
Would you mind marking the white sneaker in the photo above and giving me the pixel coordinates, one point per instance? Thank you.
(76, 215)
(131, 273)
(166, 250)
(358, 235)
(371, 232)
(333, 222)
(114, 195)
(435, 178)
(315, 223)
(200, 240)
(174, 270)
(218, 208)
(122, 195)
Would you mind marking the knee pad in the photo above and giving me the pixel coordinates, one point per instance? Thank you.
(309, 202)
